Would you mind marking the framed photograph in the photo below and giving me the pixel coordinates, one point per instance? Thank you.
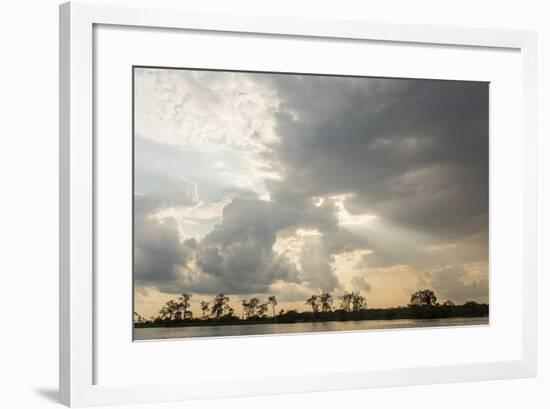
(272, 203)
(308, 204)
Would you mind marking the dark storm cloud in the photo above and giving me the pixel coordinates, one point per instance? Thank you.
(159, 253)
(412, 151)
(239, 251)
(293, 208)
(237, 257)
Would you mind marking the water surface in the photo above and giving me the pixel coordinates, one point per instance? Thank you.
(299, 327)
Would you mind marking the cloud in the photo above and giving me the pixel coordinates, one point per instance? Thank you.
(203, 109)
(170, 193)
(391, 245)
(395, 168)
(160, 254)
(452, 283)
(239, 251)
(361, 283)
(411, 151)
(236, 257)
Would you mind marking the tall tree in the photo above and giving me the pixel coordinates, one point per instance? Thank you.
(251, 307)
(358, 302)
(244, 303)
(170, 311)
(262, 309)
(326, 302)
(272, 300)
(345, 301)
(205, 308)
(423, 297)
(313, 302)
(184, 305)
(218, 305)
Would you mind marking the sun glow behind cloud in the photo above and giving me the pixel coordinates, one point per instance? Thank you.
(347, 219)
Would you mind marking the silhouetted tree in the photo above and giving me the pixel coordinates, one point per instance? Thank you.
(423, 297)
(262, 309)
(273, 302)
(345, 301)
(251, 307)
(184, 304)
(326, 302)
(170, 311)
(228, 311)
(358, 302)
(313, 302)
(138, 318)
(423, 305)
(205, 308)
(218, 305)
(244, 303)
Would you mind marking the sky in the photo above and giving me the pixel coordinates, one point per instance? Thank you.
(258, 184)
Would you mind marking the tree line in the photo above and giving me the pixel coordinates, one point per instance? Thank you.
(324, 307)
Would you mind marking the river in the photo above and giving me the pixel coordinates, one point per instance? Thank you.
(141, 334)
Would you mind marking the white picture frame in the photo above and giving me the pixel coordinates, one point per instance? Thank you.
(78, 385)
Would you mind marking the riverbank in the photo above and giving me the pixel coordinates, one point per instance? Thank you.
(427, 312)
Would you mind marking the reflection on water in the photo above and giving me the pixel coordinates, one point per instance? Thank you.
(267, 329)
